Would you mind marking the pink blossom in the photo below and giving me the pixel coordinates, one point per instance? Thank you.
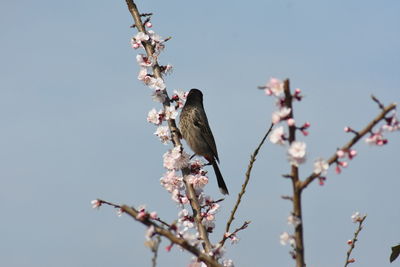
(141, 215)
(144, 61)
(142, 74)
(321, 167)
(180, 97)
(277, 136)
(228, 263)
(157, 84)
(163, 133)
(171, 181)
(171, 113)
(376, 139)
(277, 116)
(176, 159)
(198, 181)
(275, 86)
(291, 122)
(356, 217)
(297, 153)
(340, 153)
(149, 25)
(154, 117)
(285, 238)
(153, 215)
(293, 220)
(352, 153)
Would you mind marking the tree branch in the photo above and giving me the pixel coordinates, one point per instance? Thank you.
(246, 181)
(354, 140)
(173, 128)
(173, 238)
(354, 240)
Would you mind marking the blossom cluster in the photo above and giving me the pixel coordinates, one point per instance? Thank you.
(174, 159)
(296, 149)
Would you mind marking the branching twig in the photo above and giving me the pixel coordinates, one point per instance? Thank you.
(173, 238)
(355, 139)
(353, 241)
(173, 128)
(246, 181)
(227, 236)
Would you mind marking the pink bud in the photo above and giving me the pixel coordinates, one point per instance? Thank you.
(340, 153)
(305, 133)
(337, 169)
(306, 125)
(168, 248)
(347, 129)
(351, 260)
(297, 91)
(149, 25)
(291, 122)
(136, 45)
(349, 242)
(344, 164)
(353, 153)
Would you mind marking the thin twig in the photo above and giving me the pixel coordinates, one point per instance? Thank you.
(227, 236)
(353, 241)
(246, 181)
(173, 129)
(154, 249)
(355, 139)
(172, 237)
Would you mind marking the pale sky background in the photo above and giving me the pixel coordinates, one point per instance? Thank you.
(74, 126)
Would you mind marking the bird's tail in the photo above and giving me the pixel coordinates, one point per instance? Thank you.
(220, 179)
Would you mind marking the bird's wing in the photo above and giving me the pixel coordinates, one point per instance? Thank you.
(206, 133)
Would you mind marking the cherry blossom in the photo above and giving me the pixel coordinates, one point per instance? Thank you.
(285, 239)
(171, 113)
(356, 217)
(154, 117)
(293, 220)
(297, 153)
(176, 159)
(275, 87)
(321, 167)
(163, 133)
(282, 113)
(172, 181)
(156, 84)
(144, 61)
(277, 136)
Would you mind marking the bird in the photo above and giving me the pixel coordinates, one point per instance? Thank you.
(194, 128)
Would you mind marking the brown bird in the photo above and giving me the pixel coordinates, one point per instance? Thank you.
(195, 130)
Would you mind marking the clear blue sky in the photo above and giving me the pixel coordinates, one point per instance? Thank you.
(74, 126)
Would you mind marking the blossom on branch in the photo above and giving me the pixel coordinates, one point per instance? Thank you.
(171, 181)
(278, 136)
(281, 114)
(176, 158)
(321, 167)
(297, 153)
(163, 133)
